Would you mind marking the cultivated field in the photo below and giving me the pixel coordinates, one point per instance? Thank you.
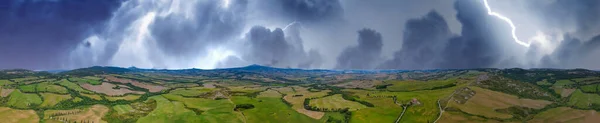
(150, 87)
(108, 89)
(91, 114)
(9, 115)
(486, 102)
(335, 102)
(51, 99)
(566, 115)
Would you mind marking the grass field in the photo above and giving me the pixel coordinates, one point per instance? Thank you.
(73, 86)
(566, 115)
(49, 87)
(413, 85)
(77, 99)
(43, 87)
(386, 110)
(270, 110)
(9, 115)
(333, 116)
(190, 92)
(590, 88)
(128, 97)
(51, 99)
(25, 79)
(5, 83)
(84, 80)
(335, 102)
(23, 100)
(122, 109)
(176, 111)
(212, 110)
(583, 100)
(270, 93)
(485, 102)
(28, 88)
(563, 83)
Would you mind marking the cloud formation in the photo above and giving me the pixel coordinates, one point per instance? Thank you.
(39, 34)
(63, 34)
(363, 56)
(277, 48)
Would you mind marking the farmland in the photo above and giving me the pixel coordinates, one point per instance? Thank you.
(265, 94)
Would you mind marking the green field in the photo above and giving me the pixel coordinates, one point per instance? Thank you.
(122, 109)
(93, 81)
(175, 111)
(22, 100)
(77, 99)
(28, 88)
(270, 110)
(419, 85)
(271, 95)
(583, 100)
(590, 88)
(48, 87)
(43, 87)
(335, 102)
(5, 83)
(190, 92)
(51, 99)
(564, 83)
(386, 110)
(73, 86)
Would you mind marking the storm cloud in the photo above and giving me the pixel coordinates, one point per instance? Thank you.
(277, 48)
(423, 43)
(38, 34)
(363, 56)
(176, 34)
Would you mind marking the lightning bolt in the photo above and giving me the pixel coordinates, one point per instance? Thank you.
(507, 20)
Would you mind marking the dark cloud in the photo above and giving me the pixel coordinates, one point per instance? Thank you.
(428, 43)
(574, 53)
(178, 34)
(423, 42)
(363, 56)
(312, 10)
(37, 34)
(275, 48)
(306, 11)
(582, 15)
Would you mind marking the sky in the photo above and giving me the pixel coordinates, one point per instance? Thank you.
(308, 34)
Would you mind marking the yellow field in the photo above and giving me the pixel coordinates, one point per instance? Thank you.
(5, 92)
(92, 114)
(51, 99)
(335, 102)
(9, 115)
(93, 96)
(485, 102)
(565, 114)
(297, 101)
